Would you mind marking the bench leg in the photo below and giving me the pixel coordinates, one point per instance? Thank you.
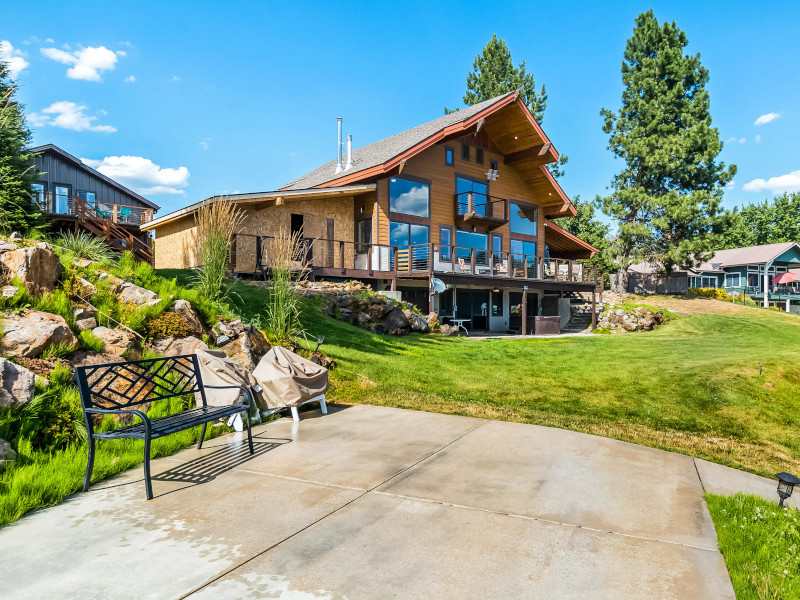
(202, 436)
(147, 485)
(295, 415)
(250, 435)
(89, 465)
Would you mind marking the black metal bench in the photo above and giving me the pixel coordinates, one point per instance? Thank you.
(112, 389)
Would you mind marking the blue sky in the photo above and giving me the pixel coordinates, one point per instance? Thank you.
(183, 100)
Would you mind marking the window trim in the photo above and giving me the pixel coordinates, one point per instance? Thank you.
(452, 152)
(401, 216)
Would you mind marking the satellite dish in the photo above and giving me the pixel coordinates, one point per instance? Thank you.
(439, 286)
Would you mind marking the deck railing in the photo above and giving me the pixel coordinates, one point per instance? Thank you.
(250, 253)
(118, 213)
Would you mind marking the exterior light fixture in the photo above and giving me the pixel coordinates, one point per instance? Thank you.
(320, 339)
(496, 290)
(786, 483)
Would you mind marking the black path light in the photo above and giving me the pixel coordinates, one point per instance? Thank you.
(786, 483)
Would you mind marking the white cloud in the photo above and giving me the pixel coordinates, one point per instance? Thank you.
(767, 118)
(758, 139)
(731, 139)
(205, 143)
(731, 184)
(175, 78)
(129, 79)
(777, 185)
(87, 63)
(50, 41)
(15, 59)
(142, 174)
(68, 115)
(742, 140)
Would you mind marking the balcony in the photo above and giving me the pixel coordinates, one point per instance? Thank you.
(118, 213)
(338, 258)
(479, 210)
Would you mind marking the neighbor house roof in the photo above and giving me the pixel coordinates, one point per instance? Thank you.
(264, 198)
(743, 256)
(727, 258)
(93, 172)
(527, 142)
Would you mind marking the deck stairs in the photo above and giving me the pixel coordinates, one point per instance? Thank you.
(101, 225)
(581, 320)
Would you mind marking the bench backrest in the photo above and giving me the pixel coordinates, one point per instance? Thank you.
(127, 384)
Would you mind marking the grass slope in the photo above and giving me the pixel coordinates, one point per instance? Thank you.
(693, 386)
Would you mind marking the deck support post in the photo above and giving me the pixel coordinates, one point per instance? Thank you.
(524, 310)
(594, 311)
(430, 294)
(393, 286)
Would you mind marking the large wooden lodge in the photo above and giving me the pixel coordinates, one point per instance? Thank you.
(466, 199)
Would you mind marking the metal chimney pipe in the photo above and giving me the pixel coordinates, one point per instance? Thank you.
(339, 147)
(349, 164)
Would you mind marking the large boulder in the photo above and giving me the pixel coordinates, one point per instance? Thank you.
(184, 308)
(32, 333)
(172, 346)
(396, 322)
(36, 266)
(419, 323)
(84, 358)
(140, 296)
(248, 348)
(16, 384)
(116, 341)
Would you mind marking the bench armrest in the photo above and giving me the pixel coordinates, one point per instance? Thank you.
(117, 411)
(248, 394)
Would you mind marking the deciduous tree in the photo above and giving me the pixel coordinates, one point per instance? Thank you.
(588, 228)
(666, 199)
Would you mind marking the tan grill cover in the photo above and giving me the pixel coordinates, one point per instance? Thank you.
(287, 379)
(217, 369)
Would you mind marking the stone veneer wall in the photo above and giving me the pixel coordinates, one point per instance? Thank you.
(176, 242)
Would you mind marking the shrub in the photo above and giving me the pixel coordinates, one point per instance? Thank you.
(57, 303)
(18, 300)
(40, 366)
(90, 341)
(287, 257)
(217, 221)
(75, 289)
(85, 246)
(168, 324)
(58, 351)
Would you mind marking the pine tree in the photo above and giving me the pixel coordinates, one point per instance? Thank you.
(666, 200)
(18, 211)
(588, 228)
(493, 73)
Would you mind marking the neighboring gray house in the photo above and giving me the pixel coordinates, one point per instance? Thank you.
(75, 196)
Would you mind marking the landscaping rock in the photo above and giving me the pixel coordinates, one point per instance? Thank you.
(31, 334)
(377, 300)
(232, 329)
(116, 341)
(17, 384)
(140, 296)
(347, 316)
(9, 291)
(363, 319)
(15, 237)
(449, 330)
(419, 323)
(377, 310)
(84, 324)
(7, 455)
(7, 246)
(177, 346)
(83, 358)
(37, 267)
(377, 328)
(184, 308)
(324, 361)
(396, 322)
(248, 348)
(83, 313)
(432, 320)
(88, 287)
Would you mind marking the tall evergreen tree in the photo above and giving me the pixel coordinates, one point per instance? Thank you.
(666, 200)
(18, 211)
(493, 73)
(586, 226)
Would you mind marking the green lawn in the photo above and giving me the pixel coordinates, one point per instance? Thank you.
(761, 545)
(693, 386)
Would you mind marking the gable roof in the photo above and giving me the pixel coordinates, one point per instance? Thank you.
(380, 157)
(742, 256)
(93, 172)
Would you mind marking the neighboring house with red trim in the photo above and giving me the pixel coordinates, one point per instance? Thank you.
(466, 199)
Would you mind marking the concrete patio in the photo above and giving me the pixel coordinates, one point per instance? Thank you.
(372, 502)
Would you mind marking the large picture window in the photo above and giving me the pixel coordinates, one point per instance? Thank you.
(408, 197)
(410, 239)
(523, 219)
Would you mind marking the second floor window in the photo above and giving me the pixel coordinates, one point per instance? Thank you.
(523, 219)
(479, 190)
(409, 197)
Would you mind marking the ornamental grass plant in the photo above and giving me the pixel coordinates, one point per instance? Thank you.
(217, 221)
(288, 263)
